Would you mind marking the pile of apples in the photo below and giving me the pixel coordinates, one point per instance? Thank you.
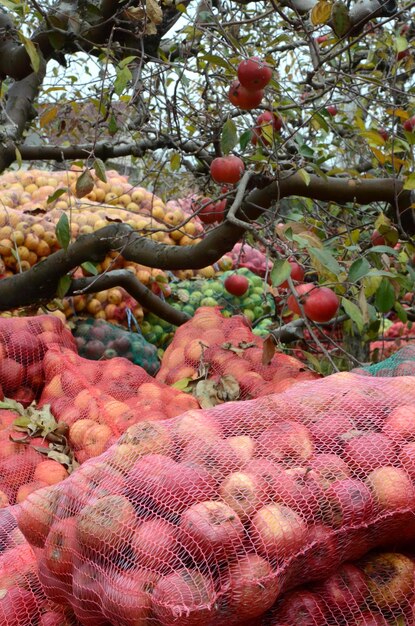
(23, 345)
(244, 255)
(396, 336)
(210, 517)
(99, 400)
(227, 347)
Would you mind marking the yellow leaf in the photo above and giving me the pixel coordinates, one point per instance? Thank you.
(31, 51)
(305, 176)
(373, 138)
(154, 12)
(379, 155)
(404, 115)
(48, 117)
(410, 182)
(321, 12)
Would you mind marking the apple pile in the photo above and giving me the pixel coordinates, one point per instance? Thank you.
(368, 592)
(244, 255)
(396, 336)
(208, 518)
(227, 347)
(98, 401)
(24, 342)
(235, 292)
(96, 339)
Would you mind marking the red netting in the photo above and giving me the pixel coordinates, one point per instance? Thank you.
(212, 347)
(23, 344)
(209, 517)
(99, 400)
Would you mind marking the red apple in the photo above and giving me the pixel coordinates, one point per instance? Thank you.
(287, 442)
(367, 618)
(35, 515)
(409, 124)
(128, 597)
(322, 556)
(88, 594)
(218, 457)
(329, 468)
(332, 110)
(344, 591)
(228, 169)
(60, 548)
(11, 375)
(17, 605)
(321, 304)
(251, 588)
(302, 608)
(254, 74)
(407, 459)
(211, 530)
(377, 239)
(155, 545)
(385, 135)
(236, 285)
(392, 488)
(278, 532)
(244, 99)
(243, 492)
(346, 502)
(184, 598)
(329, 430)
(367, 451)
(159, 483)
(297, 274)
(399, 426)
(53, 618)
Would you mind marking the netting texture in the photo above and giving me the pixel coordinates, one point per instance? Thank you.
(97, 339)
(210, 517)
(402, 363)
(220, 347)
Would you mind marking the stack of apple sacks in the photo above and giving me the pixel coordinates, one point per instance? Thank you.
(227, 347)
(215, 516)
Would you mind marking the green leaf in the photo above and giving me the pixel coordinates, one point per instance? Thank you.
(175, 161)
(90, 268)
(355, 314)
(401, 44)
(123, 78)
(112, 125)
(401, 312)
(182, 384)
(31, 51)
(280, 272)
(63, 231)
(326, 259)
(340, 19)
(385, 296)
(56, 194)
(305, 176)
(217, 60)
(383, 249)
(229, 137)
(306, 151)
(245, 138)
(99, 167)
(63, 285)
(18, 155)
(358, 269)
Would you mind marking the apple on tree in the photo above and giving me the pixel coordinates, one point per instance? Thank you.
(236, 284)
(244, 99)
(227, 169)
(320, 303)
(254, 74)
(409, 124)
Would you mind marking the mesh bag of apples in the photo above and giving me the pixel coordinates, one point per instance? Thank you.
(230, 357)
(210, 517)
(402, 363)
(96, 339)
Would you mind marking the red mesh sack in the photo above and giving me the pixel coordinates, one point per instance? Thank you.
(99, 400)
(181, 519)
(211, 346)
(23, 345)
(22, 600)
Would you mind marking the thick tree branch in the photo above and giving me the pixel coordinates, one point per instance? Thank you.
(40, 283)
(126, 280)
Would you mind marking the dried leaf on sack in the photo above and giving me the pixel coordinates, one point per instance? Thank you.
(239, 348)
(209, 393)
(268, 350)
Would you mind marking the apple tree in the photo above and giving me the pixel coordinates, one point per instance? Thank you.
(297, 116)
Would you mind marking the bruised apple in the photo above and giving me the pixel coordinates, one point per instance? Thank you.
(155, 545)
(139, 440)
(365, 452)
(105, 524)
(346, 502)
(211, 530)
(302, 608)
(128, 597)
(345, 590)
(287, 442)
(390, 577)
(60, 547)
(185, 598)
(243, 492)
(392, 488)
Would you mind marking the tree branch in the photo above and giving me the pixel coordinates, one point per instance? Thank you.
(127, 280)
